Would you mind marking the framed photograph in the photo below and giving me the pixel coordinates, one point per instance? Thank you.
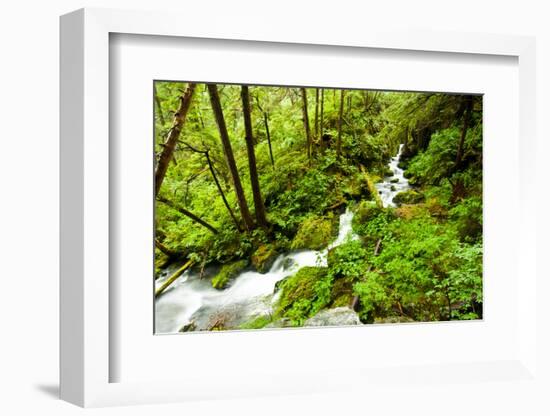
(279, 213)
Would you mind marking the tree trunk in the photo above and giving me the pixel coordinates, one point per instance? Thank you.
(317, 113)
(170, 144)
(249, 138)
(266, 124)
(173, 278)
(165, 250)
(229, 157)
(340, 117)
(187, 213)
(321, 131)
(306, 121)
(159, 107)
(220, 190)
(467, 115)
(206, 154)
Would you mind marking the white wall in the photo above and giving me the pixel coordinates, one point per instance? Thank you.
(29, 172)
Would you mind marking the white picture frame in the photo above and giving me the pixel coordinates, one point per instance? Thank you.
(86, 356)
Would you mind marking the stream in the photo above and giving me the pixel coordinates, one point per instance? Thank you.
(392, 185)
(251, 294)
(192, 302)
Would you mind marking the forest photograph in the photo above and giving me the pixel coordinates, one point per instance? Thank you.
(289, 206)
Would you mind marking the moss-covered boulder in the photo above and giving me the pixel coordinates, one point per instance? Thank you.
(227, 273)
(314, 233)
(408, 197)
(300, 294)
(264, 257)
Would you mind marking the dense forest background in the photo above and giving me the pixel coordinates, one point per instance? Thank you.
(244, 173)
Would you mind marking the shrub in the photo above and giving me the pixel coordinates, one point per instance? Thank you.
(303, 294)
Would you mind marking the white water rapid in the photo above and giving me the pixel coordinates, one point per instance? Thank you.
(251, 294)
(392, 185)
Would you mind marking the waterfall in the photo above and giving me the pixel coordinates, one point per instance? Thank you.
(251, 294)
(392, 185)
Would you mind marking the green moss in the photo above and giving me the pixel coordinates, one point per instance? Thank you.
(228, 272)
(303, 294)
(263, 257)
(314, 233)
(257, 323)
(341, 293)
(371, 180)
(408, 197)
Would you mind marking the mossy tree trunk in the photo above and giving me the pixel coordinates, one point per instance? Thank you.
(306, 122)
(170, 145)
(254, 181)
(229, 157)
(466, 120)
(187, 213)
(340, 118)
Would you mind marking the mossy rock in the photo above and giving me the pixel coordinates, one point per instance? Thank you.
(394, 180)
(392, 188)
(257, 322)
(264, 257)
(388, 172)
(298, 294)
(227, 273)
(357, 187)
(314, 233)
(408, 197)
(366, 211)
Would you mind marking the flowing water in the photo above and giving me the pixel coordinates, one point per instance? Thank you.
(193, 300)
(392, 185)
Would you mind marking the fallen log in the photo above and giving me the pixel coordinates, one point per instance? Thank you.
(173, 278)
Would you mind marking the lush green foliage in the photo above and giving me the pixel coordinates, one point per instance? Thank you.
(420, 261)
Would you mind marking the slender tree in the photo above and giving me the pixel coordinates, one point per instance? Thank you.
(266, 126)
(206, 154)
(229, 157)
(322, 133)
(254, 181)
(306, 121)
(170, 145)
(340, 118)
(187, 213)
(316, 113)
(466, 120)
(157, 102)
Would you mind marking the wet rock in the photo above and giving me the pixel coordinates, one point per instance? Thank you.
(231, 316)
(188, 327)
(408, 197)
(264, 257)
(289, 263)
(227, 273)
(334, 317)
